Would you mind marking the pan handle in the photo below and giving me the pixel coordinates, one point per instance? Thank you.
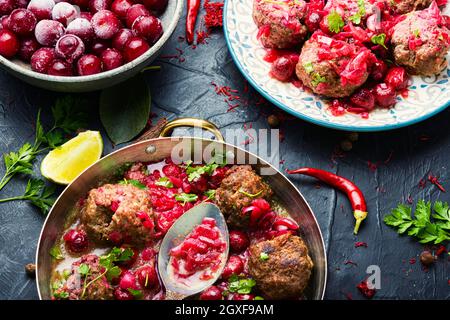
(191, 122)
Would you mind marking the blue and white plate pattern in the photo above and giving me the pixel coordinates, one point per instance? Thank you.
(426, 96)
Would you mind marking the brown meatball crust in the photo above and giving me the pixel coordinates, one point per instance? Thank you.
(100, 221)
(285, 274)
(405, 6)
(232, 195)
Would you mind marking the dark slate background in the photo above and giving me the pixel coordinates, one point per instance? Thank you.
(183, 88)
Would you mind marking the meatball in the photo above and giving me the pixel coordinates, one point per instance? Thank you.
(421, 41)
(100, 289)
(118, 213)
(280, 23)
(281, 267)
(240, 186)
(405, 6)
(331, 67)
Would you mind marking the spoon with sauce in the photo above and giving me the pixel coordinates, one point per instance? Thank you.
(202, 229)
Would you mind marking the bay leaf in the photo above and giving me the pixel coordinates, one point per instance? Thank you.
(125, 108)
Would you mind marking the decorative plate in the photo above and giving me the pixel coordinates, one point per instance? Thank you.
(426, 95)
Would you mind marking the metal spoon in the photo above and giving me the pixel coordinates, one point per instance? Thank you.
(176, 234)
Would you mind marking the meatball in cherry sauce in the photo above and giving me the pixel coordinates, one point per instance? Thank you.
(78, 37)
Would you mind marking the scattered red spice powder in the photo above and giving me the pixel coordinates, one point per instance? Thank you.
(250, 138)
(178, 56)
(213, 14)
(448, 281)
(348, 295)
(435, 180)
(372, 166)
(229, 94)
(202, 37)
(440, 250)
(360, 244)
(412, 261)
(409, 199)
(365, 290)
(422, 183)
(347, 262)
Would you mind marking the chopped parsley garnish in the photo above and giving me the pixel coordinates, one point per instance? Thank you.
(309, 67)
(186, 197)
(379, 39)
(263, 256)
(210, 194)
(317, 78)
(356, 18)
(421, 225)
(164, 182)
(218, 160)
(258, 298)
(335, 22)
(251, 195)
(56, 253)
(241, 286)
(84, 269)
(135, 183)
(61, 295)
(136, 293)
(416, 33)
(115, 255)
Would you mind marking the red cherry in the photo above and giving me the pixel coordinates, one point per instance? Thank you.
(363, 98)
(234, 266)
(238, 241)
(64, 12)
(157, 6)
(105, 24)
(312, 21)
(89, 64)
(4, 22)
(212, 293)
(28, 47)
(397, 78)
(121, 38)
(128, 281)
(9, 44)
(41, 59)
(42, 9)
(98, 5)
(22, 21)
(76, 240)
(134, 48)
(282, 69)
(120, 7)
(135, 12)
(86, 15)
(237, 296)
(148, 27)
(98, 46)
(384, 95)
(69, 47)
(81, 3)
(6, 6)
(82, 28)
(379, 69)
(47, 32)
(112, 58)
(147, 276)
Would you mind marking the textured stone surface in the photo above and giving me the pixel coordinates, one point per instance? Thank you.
(184, 89)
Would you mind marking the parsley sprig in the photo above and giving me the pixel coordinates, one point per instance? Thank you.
(356, 18)
(335, 22)
(426, 225)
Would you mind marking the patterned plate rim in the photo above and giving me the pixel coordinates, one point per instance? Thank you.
(305, 117)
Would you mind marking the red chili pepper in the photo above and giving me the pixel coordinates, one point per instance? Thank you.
(193, 7)
(354, 194)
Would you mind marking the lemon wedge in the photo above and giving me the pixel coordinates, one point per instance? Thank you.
(63, 164)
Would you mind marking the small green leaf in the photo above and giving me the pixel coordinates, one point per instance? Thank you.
(135, 183)
(317, 78)
(186, 197)
(84, 269)
(124, 109)
(251, 195)
(211, 194)
(309, 67)
(136, 293)
(335, 22)
(164, 182)
(263, 256)
(56, 253)
(379, 39)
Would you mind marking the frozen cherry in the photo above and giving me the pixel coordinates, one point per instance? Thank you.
(237, 296)
(384, 95)
(363, 98)
(89, 64)
(282, 69)
(81, 3)
(76, 240)
(82, 28)
(379, 69)
(22, 3)
(4, 22)
(9, 44)
(28, 47)
(111, 58)
(120, 7)
(98, 5)
(312, 21)
(42, 9)
(22, 21)
(64, 12)
(59, 67)
(397, 78)
(157, 6)
(41, 59)
(134, 48)
(128, 281)
(86, 15)
(98, 46)
(47, 32)
(6, 6)
(238, 241)
(135, 12)
(69, 47)
(148, 27)
(234, 266)
(121, 38)
(147, 276)
(212, 293)
(105, 24)
(123, 295)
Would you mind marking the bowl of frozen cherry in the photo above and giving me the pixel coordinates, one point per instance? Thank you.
(83, 45)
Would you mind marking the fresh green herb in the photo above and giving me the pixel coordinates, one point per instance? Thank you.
(251, 195)
(56, 253)
(441, 37)
(133, 182)
(38, 193)
(241, 286)
(211, 194)
(263, 256)
(57, 292)
(66, 273)
(416, 33)
(136, 293)
(379, 39)
(309, 67)
(317, 78)
(61, 295)
(258, 298)
(421, 224)
(186, 197)
(356, 18)
(164, 182)
(84, 269)
(218, 160)
(335, 22)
